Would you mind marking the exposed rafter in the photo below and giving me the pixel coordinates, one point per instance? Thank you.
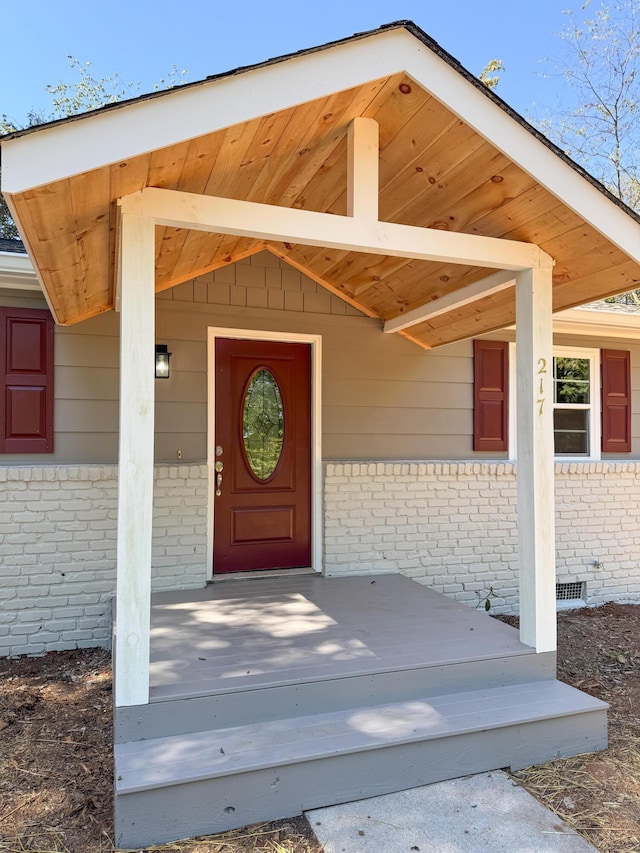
(464, 296)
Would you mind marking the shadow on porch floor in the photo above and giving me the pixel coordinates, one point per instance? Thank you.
(243, 634)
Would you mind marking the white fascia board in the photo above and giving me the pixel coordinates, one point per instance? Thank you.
(17, 272)
(523, 148)
(93, 141)
(590, 323)
(175, 209)
(180, 114)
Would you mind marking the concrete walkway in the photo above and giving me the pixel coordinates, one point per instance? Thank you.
(486, 813)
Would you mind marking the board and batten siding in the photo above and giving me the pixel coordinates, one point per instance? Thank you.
(384, 398)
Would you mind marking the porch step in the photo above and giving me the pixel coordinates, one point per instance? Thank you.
(210, 781)
(226, 706)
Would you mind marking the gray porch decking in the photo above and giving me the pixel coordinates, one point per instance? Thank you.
(274, 695)
(242, 634)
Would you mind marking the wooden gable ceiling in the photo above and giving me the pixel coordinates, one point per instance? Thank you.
(435, 171)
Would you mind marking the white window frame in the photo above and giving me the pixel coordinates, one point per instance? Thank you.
(594, 407)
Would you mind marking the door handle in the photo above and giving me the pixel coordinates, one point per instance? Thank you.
(219, 467)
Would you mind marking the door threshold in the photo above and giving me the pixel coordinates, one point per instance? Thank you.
(262, 573)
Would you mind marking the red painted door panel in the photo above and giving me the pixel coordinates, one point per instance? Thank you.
(262, 516)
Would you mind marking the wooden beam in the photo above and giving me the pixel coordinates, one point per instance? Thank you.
(135, 464)
(363, 156)
(287, 225)
(456, 299)
(535, 473)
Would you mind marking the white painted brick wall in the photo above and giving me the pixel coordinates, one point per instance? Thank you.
(452, 526)
(58, 550)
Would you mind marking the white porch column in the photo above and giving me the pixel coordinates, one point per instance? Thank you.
(536, 521)
(135, 467)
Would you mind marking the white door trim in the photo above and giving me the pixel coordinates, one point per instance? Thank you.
(315, 341)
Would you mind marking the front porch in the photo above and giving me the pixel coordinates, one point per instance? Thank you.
(269, 696)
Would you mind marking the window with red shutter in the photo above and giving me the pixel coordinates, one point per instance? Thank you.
(490, 395)
(616, 401)
(26, 372)
(591, 407)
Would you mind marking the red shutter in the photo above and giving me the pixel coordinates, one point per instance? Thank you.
(616, 401)
(26, 376)
(490, 395)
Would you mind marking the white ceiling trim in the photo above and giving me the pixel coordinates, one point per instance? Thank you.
(589, 322)
(17, 272)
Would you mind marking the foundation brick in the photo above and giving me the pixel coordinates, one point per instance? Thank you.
(463, 525)
(58, 558)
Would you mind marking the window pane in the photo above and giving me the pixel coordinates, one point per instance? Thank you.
(571, 431)
(571, 380)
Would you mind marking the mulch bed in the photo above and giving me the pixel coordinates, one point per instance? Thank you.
(56, 764)
(599, 795)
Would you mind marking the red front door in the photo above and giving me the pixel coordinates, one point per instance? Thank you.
(262, 511)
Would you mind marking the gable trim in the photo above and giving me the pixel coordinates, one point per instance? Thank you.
(70, 148)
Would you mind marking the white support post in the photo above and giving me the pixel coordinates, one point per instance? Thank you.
(536, 522)
(135, 468)
(363, 156)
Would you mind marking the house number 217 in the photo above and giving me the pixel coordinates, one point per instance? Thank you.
(542, 369)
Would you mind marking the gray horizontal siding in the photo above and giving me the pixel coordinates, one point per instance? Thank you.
(383, 397)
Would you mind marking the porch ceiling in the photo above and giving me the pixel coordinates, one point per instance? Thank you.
(436, 171)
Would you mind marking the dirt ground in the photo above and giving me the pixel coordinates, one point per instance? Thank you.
(56, 765)
(599, 795)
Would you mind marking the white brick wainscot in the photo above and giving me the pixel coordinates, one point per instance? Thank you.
(58, 550)
(453, 526)
(448, 525)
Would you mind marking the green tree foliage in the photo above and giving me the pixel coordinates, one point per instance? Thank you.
(85, 92)
(8, 228)
(571, 380)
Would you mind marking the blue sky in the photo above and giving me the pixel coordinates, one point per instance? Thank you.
(141, 39)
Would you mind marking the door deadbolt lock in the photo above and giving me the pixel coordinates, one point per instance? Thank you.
(219, 466)
(219, 450)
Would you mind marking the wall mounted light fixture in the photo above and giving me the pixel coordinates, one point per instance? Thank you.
(163, 368)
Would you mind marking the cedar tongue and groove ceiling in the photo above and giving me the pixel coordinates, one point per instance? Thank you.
(436, 171)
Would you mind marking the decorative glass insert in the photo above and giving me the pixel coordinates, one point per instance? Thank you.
(263, 424)
(572, 405)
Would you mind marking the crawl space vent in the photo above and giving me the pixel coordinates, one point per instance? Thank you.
(574, 591)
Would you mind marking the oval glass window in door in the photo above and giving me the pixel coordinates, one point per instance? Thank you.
(263, 424)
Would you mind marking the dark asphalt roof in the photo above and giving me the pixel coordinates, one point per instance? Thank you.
(15, 246)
